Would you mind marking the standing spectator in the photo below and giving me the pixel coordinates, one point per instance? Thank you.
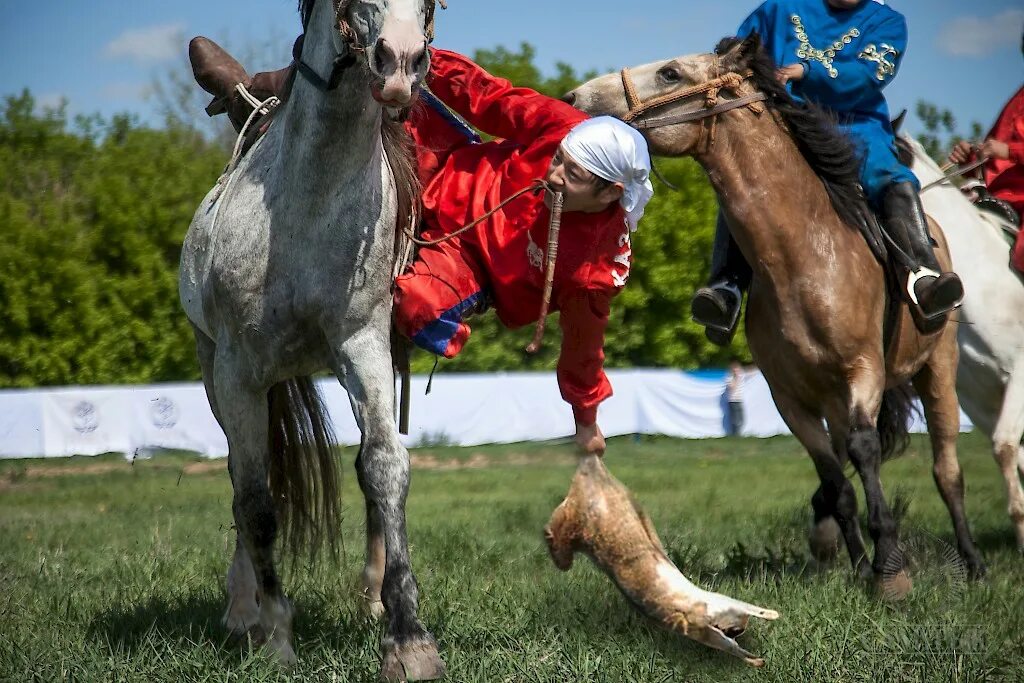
(734, 395)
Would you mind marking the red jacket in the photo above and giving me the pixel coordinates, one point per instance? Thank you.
(594, 250)
(1005, 177)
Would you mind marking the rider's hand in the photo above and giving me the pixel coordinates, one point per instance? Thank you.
(963, 153)
(589, 439)
(793, 72)
(994, 149)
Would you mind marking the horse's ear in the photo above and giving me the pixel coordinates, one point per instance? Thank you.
(736, 53)
(897, 122)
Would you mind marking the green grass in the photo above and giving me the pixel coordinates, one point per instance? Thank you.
(118, 574)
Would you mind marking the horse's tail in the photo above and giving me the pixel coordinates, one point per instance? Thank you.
(894, 421)
(304, 480)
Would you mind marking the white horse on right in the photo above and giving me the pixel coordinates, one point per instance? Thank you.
(990, 380)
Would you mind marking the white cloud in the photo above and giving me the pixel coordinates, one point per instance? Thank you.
(148, 43)
(121, 91)
(981, 36)
(50, 100)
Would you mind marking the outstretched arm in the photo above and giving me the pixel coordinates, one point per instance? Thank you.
(581, 377)
(494, 105)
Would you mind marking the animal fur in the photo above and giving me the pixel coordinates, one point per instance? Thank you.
(600, 519)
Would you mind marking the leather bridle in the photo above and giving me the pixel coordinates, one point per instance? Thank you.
(347, 57)
(637, 116)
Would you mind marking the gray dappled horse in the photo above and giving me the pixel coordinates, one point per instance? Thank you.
(286, 270)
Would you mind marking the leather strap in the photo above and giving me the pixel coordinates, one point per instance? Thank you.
(697, 115)
(342, 61)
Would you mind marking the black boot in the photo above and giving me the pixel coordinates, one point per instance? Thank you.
(717, 306)
(936, 293)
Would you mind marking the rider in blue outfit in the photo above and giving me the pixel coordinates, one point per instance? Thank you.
(838, 54)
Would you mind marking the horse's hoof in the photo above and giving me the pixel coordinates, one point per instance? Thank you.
(976, 569)
(282, 652)
(239, 619)
(894, 587)
(374, 609)
(824, 540)
(414, 659)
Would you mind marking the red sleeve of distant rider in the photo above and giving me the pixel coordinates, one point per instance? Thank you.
(1010, 127)
(581, 377)
(492, 104)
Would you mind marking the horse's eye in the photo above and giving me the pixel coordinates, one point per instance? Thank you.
(669, 74)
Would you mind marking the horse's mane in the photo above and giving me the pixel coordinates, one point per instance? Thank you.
(306, 10)
(827, 150)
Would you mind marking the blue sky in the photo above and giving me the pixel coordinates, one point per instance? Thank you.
(102, 55)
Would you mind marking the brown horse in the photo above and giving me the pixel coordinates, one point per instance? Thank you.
(816, 319)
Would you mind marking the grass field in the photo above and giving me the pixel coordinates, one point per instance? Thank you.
(114, 571)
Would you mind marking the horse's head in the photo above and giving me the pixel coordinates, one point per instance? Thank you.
(389, 38)
(652, 90)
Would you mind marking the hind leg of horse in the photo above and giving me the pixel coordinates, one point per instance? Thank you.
(243, 597)
(835, 502)
(936, 385)
(364, 365)
(1006, 446)
(244, 417)
(372, 578)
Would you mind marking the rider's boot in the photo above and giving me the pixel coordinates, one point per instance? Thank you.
(717, 306)
(220, 74)
(935, 293)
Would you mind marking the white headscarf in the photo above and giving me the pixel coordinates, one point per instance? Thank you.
(618, 153)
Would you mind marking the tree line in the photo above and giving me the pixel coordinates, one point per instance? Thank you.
(93, 212)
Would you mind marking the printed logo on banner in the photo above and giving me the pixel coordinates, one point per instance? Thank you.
(84, 417)
(163, 412)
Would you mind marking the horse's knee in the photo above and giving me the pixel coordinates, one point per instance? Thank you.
(864, 447)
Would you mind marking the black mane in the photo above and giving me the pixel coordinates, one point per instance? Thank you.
(828, 151)
(306, 10)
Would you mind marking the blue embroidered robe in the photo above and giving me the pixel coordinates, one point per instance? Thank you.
(849, 57)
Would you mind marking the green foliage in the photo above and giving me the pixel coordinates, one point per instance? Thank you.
(941, 131)
(94, 212)
(93, 216)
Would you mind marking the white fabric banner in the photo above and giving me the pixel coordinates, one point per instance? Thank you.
(462, 409)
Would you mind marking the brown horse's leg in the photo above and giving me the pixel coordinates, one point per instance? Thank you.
(835, 501)
(936, 385)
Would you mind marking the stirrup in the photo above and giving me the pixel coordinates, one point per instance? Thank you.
(913, 278)
(729, 327)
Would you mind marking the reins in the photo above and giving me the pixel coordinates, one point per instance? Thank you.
(962, 170)
(536, 186)
(554, 226)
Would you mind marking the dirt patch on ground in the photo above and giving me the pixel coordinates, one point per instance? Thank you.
(419, 461)
(426, 461)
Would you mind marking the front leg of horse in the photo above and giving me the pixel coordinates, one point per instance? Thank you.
(409, 650)
(865, 450)
(245, 421)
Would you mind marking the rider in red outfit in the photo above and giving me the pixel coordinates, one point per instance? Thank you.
(500, 262)
(1004, 172)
